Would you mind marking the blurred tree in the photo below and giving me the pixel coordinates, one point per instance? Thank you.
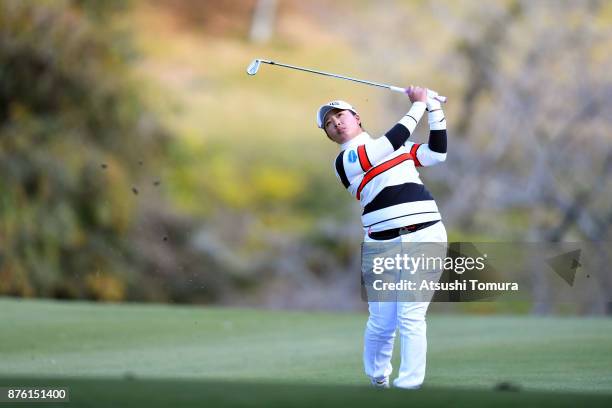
(262, 22)
(72, 131)
(76, 139)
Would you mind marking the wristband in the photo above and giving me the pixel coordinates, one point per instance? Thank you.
(436, 120)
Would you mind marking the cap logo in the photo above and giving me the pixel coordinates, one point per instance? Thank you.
(334, 103)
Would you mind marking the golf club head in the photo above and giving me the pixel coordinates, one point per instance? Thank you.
(253, 67)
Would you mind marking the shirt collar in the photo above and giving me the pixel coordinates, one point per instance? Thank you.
(360, 139)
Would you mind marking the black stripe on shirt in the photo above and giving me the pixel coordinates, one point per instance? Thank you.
(340, 169)
(398, 135)
(400, 194)
(437, 141)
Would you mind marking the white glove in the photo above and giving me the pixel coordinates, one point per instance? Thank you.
(433, 101)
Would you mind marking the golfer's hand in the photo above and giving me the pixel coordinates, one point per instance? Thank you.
(416, 93)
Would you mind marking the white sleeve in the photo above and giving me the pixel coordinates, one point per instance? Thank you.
(424, 155)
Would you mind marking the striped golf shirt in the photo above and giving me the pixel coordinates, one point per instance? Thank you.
(381, 173)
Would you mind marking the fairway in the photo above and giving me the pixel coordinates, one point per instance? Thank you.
(202, 347)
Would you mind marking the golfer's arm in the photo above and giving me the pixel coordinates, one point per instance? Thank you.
(434, 151)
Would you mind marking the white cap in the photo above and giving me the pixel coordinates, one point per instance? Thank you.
(342, 105)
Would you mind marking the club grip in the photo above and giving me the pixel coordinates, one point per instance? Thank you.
(430, 93)
(434, 95)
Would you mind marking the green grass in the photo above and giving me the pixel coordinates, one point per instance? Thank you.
(153, 353)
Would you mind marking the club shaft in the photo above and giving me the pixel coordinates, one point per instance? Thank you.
(431, 93)
(314, 71)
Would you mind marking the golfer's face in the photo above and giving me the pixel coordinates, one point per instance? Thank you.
(342, 125)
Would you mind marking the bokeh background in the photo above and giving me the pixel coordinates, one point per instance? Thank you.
(139, 162)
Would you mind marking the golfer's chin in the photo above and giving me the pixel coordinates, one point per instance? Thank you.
(342, 136)
(346, 136)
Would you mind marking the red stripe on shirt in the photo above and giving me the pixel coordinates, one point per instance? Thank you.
(363, 158)
(413, 154)
(375, 171)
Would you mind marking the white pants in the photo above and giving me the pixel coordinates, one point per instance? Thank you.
(409, 318)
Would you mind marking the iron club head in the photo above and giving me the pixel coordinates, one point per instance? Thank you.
(253, 67)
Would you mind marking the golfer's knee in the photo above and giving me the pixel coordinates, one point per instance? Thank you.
(381, 329)
(411, 324)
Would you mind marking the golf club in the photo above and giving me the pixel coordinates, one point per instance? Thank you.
(254, 67)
